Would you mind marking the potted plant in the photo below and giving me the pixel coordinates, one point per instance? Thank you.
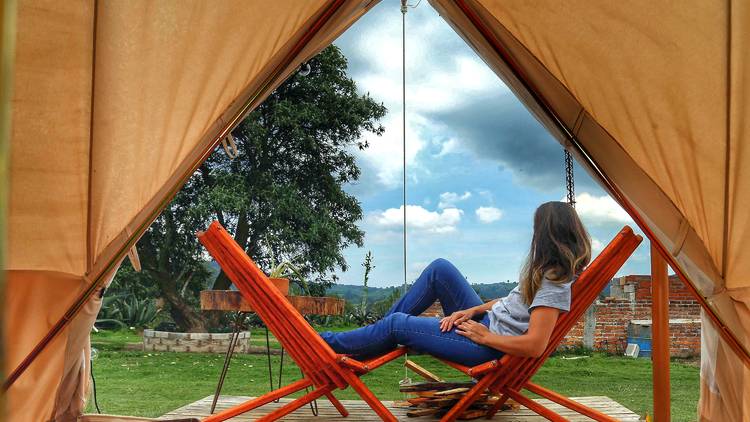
(279, 276)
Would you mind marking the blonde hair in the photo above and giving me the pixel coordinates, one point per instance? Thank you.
(560, 248)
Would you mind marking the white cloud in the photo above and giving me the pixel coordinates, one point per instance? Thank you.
(596, 246)
(419, 219)
(489, 214)
(434, 84)
(450, 146)
(449, 199)
(385, 153)
(598, 210)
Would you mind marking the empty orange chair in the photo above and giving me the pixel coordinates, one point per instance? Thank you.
(509, 375)
(323, 369)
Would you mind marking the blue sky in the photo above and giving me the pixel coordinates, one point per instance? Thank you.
(478, 163)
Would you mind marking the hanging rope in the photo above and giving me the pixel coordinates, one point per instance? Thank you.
(569, 182)
(403, 121)
(404, 8)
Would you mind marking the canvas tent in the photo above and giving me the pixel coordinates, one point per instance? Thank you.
(115, 103)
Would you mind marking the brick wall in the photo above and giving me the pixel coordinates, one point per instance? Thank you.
(630, 300)
(162, 341)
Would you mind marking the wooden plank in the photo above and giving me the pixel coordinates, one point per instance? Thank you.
(230, 300)
(429, 376)
(359, 411)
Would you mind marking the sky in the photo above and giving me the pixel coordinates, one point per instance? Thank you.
(478, 163)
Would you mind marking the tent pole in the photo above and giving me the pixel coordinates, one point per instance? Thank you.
(660, 336)
(7, 55)
(613, 189)
(329, 10)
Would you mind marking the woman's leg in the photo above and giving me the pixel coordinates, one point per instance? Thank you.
(439, 280)
(418, 333)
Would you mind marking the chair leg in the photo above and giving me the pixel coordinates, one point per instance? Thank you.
(337, 404)
(497, 406)
(534, 406)
(368, 396)
(570, 404)
(294, 405)
(260, 401)
(470, 397)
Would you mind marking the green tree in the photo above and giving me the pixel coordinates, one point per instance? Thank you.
(282, 196)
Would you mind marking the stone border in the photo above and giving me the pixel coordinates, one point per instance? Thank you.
(165, 341)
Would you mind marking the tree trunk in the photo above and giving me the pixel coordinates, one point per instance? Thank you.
(243, 229)
(185, 316)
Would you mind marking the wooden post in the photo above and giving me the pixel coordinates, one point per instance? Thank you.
(660, 335)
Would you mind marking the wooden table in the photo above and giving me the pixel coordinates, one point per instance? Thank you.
(232, 301)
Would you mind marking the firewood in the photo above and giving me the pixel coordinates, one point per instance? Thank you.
(422, 372)
(418, 400)
(452, 391)
(426, 386)
(472, 414)
(423, 412)
(446, 402)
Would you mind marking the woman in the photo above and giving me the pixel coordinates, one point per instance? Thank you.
(475, 332)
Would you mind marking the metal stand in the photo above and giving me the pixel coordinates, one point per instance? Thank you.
(228, 357)
(313, 404)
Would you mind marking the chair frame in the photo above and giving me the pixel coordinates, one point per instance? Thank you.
(322, 368)
(326, 371)
(509, 375)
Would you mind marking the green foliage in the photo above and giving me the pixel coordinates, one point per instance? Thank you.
(295, 156)
(380, 307)
(282, 196)
(127, 311)
(152, 384)
(368, 267)
(286, 269)
(358, 316)
(353, 293)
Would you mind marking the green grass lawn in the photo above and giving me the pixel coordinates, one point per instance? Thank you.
(151, 384)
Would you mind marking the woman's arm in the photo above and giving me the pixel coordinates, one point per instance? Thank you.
(530, 344)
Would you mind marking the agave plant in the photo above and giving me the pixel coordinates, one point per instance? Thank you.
(127, 311)
(285, 269)
(138, 312)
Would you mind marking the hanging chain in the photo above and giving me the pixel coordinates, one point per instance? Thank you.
(569, 182)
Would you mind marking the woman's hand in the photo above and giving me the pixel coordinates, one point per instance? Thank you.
(447, 323)
(474, 331)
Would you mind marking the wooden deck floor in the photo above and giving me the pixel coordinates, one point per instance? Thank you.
(358, 411)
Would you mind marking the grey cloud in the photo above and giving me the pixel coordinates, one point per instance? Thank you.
(498, 127)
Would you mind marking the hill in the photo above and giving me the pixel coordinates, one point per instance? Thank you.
(353, 293)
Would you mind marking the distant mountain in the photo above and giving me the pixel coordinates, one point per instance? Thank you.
(353, 293)
(494, 290)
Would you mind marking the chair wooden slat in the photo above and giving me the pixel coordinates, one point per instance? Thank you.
(318, 362)
(515, 372)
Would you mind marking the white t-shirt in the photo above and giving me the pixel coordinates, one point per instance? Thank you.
(509, 316)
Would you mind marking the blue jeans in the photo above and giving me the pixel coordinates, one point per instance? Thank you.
(401, 325)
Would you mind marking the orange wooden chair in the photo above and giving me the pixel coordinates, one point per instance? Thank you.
(509, 375)
(323, 369)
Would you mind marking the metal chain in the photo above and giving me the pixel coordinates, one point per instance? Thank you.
(569, 182)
